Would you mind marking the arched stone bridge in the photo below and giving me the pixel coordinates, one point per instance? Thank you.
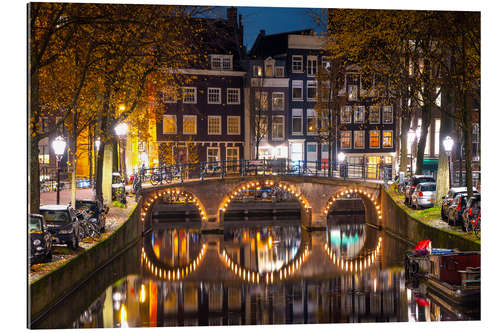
(316, 196)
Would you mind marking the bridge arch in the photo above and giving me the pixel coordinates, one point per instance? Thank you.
(289, 187)
(159, 193)
(369, 201)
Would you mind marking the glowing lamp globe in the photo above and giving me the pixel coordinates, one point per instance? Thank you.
(121, 129)
(448, 144)
(59, 145)
(341, 157)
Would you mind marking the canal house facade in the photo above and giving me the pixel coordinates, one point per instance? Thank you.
(203, 121)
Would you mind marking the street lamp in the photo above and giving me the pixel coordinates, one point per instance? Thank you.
(341, 158)
(97, 144)
(59, 145)
(121, 130)
(448, 146)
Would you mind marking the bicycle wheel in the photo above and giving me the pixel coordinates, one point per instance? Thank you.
(155, 179)
(94, 232)
(477, 229)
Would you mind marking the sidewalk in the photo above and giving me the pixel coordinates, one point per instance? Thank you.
(61, 253)
(50, 198)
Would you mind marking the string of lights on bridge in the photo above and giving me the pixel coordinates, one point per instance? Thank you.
(172, 274)
(170, 192)
(356, 191)
(256, 185)
(358, 264)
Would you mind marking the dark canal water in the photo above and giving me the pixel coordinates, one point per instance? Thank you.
(255, 273)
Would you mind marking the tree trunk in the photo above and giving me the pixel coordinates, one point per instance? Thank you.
(467, 133)
(405, 127)
(443, 173)
(34, 173)
(426, 120)
(72, 163)
(34, 178)
(114, 142)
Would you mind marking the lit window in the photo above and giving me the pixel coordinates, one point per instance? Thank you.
(297, 90)
(214, 125)
(352, 91)
(269, 70)
(169, 95)
(326, 63)
(227, 63)
(257, 70)
(280, 71)
(345, 139)
(189, 124)
(261, 127)
(233, 125)
(189, 95)
(297, 64)
(169, 124)
(212, 155)
(359, 139)
(278, 128)
(261, 100)
(374, 139)
(387, 139)
(222, 62)
(297, 121)
(312, 65)
(359, 114)
(214, 95)
(345, 114)
(374, 114)
(233, 96)
(312, 122)
(311, 90)
(278, 101)
(387, 115)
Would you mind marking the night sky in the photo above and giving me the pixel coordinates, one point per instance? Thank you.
(274, 20)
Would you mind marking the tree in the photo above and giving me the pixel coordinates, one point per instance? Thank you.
(259, 109)
(124, 45)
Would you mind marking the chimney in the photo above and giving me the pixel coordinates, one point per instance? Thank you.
(232, 14)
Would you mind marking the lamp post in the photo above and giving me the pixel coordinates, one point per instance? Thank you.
(97, 144)
(59, 145)
(341, 158)
(448, 146)
(121, 130)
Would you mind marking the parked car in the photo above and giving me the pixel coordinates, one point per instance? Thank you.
(472, 210)
(96, 212)
(40, 240)
(456, 209)
(448, 199)
(414, 181)
(62, 224)
(424, 195)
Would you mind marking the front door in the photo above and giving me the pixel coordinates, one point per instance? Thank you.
(232, 157)
(296, 151)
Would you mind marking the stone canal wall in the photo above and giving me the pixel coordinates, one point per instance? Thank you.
(53, 287)
(398, 222)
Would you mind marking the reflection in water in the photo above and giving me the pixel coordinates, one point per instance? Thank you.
(262, 249)
(377, 293)
(176, 247)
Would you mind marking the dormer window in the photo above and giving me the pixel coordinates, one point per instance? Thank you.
(269, 67)
(222, 62)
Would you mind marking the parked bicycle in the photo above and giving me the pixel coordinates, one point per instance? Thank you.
(475, 226)
(87, 229)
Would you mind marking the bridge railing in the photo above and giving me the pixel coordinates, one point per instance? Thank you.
(172, 173)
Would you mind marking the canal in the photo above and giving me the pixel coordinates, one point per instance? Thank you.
(259, 271)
